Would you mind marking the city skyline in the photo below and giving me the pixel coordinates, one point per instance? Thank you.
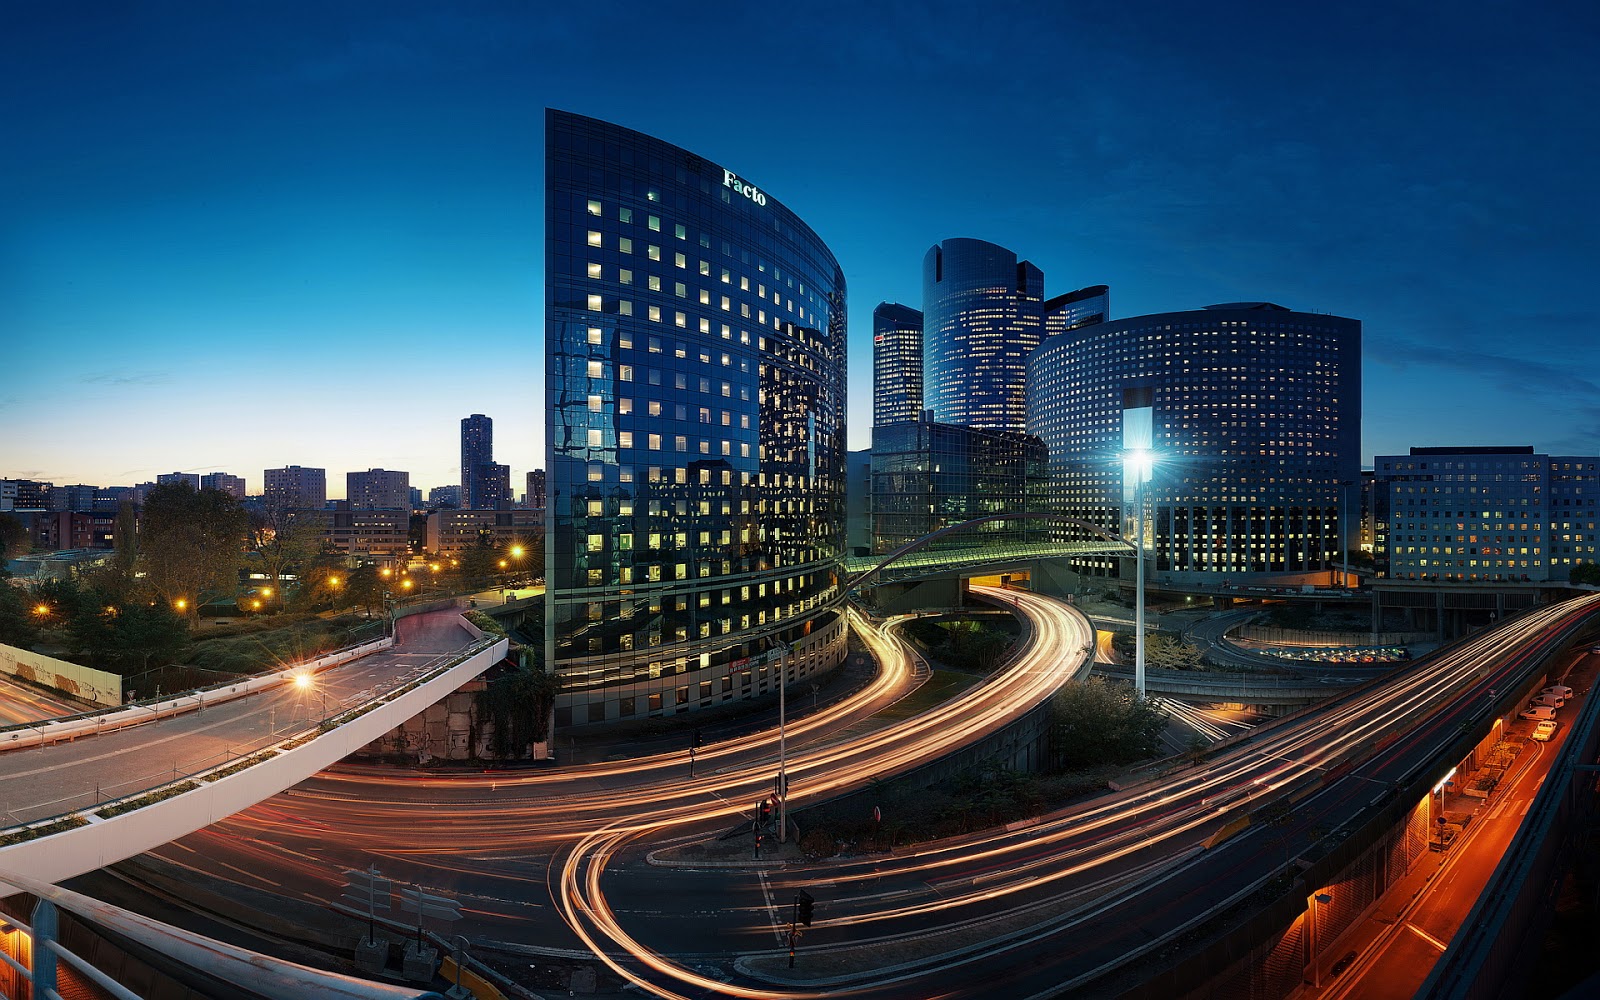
(313, 239)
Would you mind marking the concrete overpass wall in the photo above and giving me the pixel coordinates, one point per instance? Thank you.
(104, 841)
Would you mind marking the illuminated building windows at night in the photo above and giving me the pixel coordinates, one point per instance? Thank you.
(1257, 413)
(688, 556)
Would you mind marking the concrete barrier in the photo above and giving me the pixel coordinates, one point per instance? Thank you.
(105, 841)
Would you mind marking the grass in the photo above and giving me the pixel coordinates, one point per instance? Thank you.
(940, 688)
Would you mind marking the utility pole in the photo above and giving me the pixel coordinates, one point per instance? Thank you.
(783, 778)
(1138, 616)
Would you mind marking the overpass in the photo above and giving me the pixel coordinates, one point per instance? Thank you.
(104, 794)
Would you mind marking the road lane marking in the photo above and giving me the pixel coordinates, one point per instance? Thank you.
(1424, 935)
(772, 909)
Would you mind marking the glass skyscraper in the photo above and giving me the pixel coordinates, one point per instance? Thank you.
(1257, 417)
(695, 404)
(983, 315)
(928, 475)
(896, 363)
(1074, 309)
(477, 452)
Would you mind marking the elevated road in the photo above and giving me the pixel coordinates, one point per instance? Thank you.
(108, 796)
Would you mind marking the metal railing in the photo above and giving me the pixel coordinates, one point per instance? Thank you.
(163, 784)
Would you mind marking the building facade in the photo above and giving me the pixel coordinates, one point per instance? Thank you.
(295, 487)
(695, 399)
(927, 476)
(983, 316)
(1084, 307)
(452, 532)
(378, 489)
(534, 499)
(896, 363)
(224, 483)
(477, 452)
(445, 497)
(1483, 515)
(191, 478)
(1256, 423)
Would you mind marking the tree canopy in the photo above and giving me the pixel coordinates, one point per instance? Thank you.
(1096, 722)
(191, 544)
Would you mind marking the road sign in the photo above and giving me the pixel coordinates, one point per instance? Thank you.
(368, 889)
(428, 905)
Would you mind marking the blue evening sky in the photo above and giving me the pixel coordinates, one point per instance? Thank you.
(243, 235)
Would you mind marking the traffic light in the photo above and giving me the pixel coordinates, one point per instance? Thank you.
(803, 904)
(764, 811)
(697, 739)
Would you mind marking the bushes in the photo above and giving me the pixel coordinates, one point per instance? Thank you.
(487, 623)
(270, 648)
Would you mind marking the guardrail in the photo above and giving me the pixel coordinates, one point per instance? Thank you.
(26, 735)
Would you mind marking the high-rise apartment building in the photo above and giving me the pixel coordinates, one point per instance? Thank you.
(896, 363)
(1256, 424)
(1484, 515)
(73, 498)
(695, 390)
(295, 487)
(536, 489)
(191, 478)
(983, 316)
(1084, 307)
(378, 489)
(222, 482)
(445, 497)
(477, 451)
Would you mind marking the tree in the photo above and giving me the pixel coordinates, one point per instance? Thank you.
(518, 703)
(191, 545)
(1585, 573)
(17, 625)
(1161, 651)
(285, 540)
(364, 587)
(119, 577)
(1095, 722)
(14, 540)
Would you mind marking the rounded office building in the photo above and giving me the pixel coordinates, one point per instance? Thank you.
(983, 316)
(1256, 431)
(695, 407)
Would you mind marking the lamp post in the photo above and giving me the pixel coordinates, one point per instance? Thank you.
(1344, 529)
(1138, 461)
(1317, 899)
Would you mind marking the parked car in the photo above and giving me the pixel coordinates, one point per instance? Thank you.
(1545, 730)
(1537, 713)
(1560, 689)
(1553, 700)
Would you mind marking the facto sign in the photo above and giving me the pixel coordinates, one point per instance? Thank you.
(731, 180)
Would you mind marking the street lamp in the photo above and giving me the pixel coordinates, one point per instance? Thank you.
(1138, 462)
(307, 683)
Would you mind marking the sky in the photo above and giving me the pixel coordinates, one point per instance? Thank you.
(247, 235)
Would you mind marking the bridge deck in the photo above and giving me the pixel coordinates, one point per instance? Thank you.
(67, 777)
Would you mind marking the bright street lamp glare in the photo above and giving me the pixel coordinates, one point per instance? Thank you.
(302, 680)
(516, 552)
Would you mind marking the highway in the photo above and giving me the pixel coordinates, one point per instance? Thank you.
(21, 703)
(1051, 906)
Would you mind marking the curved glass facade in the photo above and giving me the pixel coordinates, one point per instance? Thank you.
(695, 399)
(1257, 413)
(983, 316)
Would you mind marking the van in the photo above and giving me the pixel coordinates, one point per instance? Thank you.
(1538, 713)
(1553, 700)
(1545, 730)
(1560, 689)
